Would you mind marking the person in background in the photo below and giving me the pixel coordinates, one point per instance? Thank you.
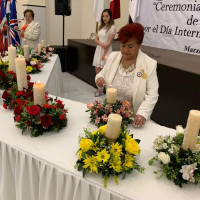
(132, 73)
(30, 30)
(103, 39)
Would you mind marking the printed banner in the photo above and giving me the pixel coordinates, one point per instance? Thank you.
(171, 24)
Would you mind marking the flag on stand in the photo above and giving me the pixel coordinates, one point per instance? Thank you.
(14, 37)
(98, 9)
(3, 33)
(134, 9)
(115, 8)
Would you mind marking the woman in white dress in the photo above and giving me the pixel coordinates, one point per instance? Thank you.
(103, 39)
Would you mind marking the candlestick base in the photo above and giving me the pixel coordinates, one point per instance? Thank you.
(111, 140)
(110, 104)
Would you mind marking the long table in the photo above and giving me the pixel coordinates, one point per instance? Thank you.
(50, 75)
(178, 75)
(42, 168)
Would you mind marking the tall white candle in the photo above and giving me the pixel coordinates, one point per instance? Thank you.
(113, 126)
(39, 93)
(39, 48)
(21, 73)
(11, 57)
(23, 42)
(26, 52)
(111, 94)
(42, 43)
(192, 130)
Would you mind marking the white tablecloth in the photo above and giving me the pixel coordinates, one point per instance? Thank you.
(42, 168)
(50, 75)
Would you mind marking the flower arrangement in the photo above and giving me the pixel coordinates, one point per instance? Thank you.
(177, 164)
(36, 120)
(12, 97)
(7, 78)
(97, 154)
(33, 66)
(99, 112)
(44, 55)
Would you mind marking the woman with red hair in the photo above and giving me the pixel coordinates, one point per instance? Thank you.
(132, 73)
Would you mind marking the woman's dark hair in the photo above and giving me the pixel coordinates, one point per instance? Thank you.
(29, 10)
(133, 30)
(111, 22)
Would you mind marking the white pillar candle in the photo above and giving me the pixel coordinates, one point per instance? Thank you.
(111, 94)
(39, 93)
(42, 43)
(39, 48)
(113, 126)
(23, 42)
(26, 52)
(11, 57)
(192, 130)
(21, 73)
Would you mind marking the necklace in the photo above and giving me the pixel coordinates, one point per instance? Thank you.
(127, 68)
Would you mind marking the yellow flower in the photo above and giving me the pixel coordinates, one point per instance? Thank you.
(86, 144)
(115, 163)
(116, 149)
(80, 154)
(103, 156)
(91, 162)
(131, 146)
(144, 75)
(0, 62)
(29, 68)
(8, 69)
(35, 59)
(128, 163)
(94, 132)
(102, 129)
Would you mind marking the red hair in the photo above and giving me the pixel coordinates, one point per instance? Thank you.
(131, 31)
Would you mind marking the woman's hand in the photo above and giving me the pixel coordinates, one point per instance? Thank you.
(139, 121)
(16, 28)
(105, 46)
(103, 56)
(100, 82)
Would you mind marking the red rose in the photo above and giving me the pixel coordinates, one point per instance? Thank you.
(5, 106)
(28, 78)
(29, 94)
(11, 72)
(46, 120)
(18, 118)
(28, 123)
(60, 104)
(19, 93)
(5, 95)
(46, 105)
(54, 106)
(14, 78)
(62, 117)
(19, 101)
(33, 110)
(18, 110)
(2, 74)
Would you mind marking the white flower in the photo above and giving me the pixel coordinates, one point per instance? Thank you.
(5, 59)
(174, 149)
(164, 146)
(179, 129)
(188, 172)
(158, 142)
(33, 62)
(164, 157)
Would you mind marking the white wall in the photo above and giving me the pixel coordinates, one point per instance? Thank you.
(77, 26)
